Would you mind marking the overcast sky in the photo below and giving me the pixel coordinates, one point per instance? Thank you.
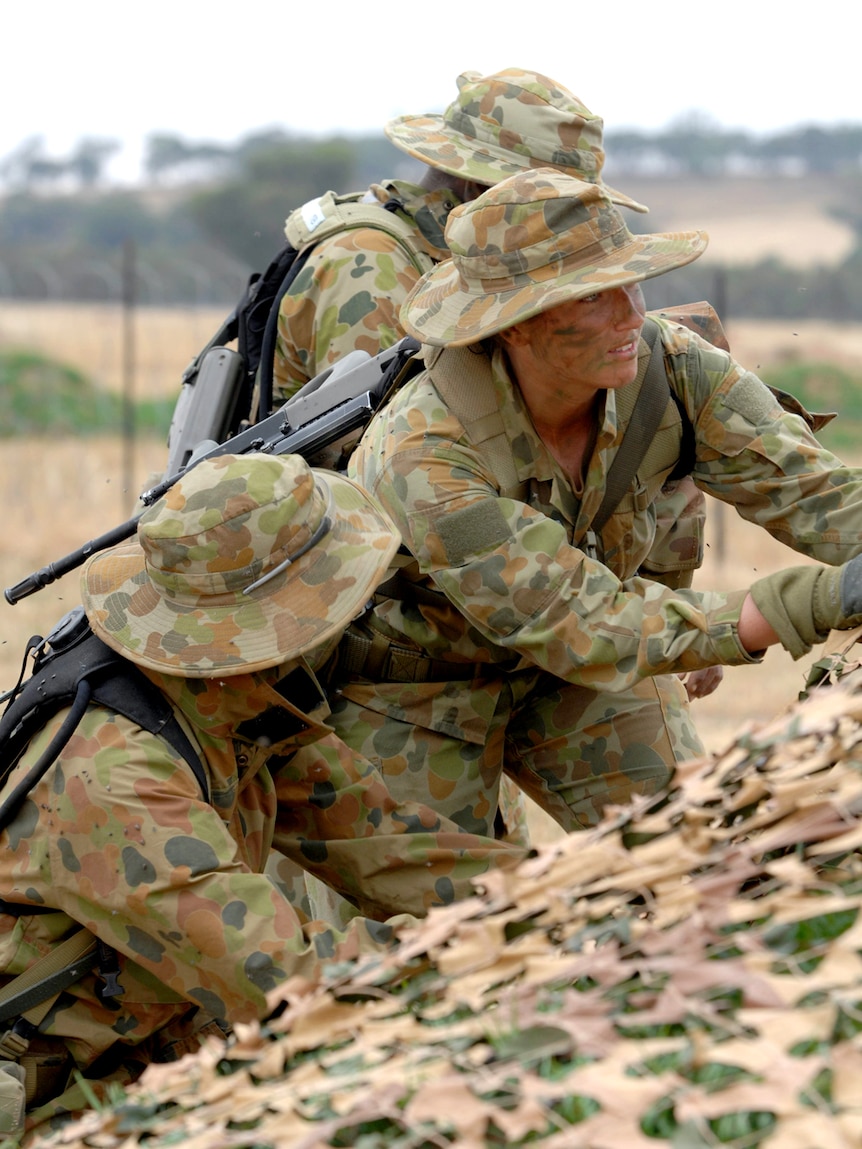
(218, 71)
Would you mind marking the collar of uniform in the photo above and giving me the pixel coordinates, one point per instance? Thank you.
(429, 210)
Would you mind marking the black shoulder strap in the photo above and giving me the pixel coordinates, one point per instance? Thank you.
(262, 324)
(80, 672)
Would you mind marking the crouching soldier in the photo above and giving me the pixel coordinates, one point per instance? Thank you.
(239, 584)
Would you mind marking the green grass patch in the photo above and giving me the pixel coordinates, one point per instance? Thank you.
(823, 387)
(42, 396)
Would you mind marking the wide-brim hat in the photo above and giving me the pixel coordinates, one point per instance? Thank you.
(505, 123)
(246, 562)
(533, 241)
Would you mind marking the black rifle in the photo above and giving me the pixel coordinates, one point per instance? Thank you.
(320, 422)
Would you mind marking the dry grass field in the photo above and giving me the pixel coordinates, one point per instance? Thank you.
(752, 218)
(149, 349)
(94, 339)
(58, 495)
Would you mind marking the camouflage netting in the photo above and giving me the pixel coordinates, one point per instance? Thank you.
(688, 974)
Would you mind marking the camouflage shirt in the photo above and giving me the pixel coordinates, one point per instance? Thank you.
(519, 589)
(348, 294)
(118, 837)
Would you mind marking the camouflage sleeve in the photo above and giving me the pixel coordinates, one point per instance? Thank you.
(513, 574)
(346, 297)
(762, 459)
(118, 837)
(340, 822)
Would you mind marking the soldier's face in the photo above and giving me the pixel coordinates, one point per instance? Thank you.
(586, 345)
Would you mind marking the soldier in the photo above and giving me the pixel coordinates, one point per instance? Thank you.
(240, 582)
(348, 295)
(524, 640)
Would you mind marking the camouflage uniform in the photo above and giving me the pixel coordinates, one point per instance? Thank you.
(348, 294)
(183, 886)
(561, 665)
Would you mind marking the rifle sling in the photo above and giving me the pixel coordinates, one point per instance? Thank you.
(47, 978)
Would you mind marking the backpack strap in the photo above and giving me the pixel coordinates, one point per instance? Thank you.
(28, 998)
(73, 666)
(463, 379)
(258, 328)
(28, 994)
(330, 214)
(304, 228)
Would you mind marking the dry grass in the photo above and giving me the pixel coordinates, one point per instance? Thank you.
(147, 351)
(56, 497)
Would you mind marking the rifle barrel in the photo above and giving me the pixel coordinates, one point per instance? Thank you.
(55, 570)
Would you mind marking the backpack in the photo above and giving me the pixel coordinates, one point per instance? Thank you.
(224, 390)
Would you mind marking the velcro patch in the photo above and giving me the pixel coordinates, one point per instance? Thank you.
(752, 399)
(480, 527)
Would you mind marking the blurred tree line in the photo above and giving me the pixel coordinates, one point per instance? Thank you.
(205, 215)
(693, 144)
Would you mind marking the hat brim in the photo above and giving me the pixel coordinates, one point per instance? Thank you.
(441, 312)
(429, 139)
(299, 609)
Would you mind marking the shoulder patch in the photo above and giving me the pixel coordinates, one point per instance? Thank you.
(480, 527)
(752, 399)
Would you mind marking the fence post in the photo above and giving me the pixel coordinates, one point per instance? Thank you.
(128, 343)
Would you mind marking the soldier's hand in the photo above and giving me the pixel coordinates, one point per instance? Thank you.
(701, 683)
(802, 604)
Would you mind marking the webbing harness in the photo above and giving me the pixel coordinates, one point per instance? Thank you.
(463, 379)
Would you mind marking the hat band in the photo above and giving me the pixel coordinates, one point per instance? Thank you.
(174, 582)
(323, 528)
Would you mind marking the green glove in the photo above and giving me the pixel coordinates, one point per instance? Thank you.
(802, 604)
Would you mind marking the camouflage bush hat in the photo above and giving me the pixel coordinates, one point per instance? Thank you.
(506, 123)
(248, 561)
(534, 241)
